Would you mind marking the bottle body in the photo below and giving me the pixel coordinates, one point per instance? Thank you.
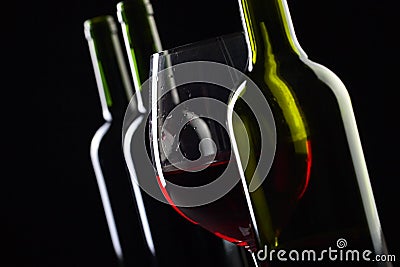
(317, 191)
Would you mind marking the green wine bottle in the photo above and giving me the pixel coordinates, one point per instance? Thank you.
(317, 191)
(115, 88)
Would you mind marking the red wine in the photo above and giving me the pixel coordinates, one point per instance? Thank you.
(229, 216)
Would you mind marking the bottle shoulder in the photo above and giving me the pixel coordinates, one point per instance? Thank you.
(299, 74)
(331, 79)
(98, 136)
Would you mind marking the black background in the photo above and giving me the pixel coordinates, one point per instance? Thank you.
(55, 217)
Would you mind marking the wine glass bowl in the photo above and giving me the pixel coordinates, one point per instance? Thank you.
(207, 144)
(190, 141)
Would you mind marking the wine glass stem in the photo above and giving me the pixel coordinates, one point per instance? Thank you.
(258, 263)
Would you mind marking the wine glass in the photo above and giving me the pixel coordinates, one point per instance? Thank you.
(208, 161)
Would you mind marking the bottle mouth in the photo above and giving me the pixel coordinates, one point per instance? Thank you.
(99, 23)
(123, 6)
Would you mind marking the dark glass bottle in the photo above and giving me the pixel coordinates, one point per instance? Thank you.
(115, 88)
(317, 191)
(174, 241)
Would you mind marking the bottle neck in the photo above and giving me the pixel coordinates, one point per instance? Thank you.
(109, 66)
(269, 30)
(141, 37)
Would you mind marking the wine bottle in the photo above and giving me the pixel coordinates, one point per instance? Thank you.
(115, 88)
(174, 241)
(317, 191)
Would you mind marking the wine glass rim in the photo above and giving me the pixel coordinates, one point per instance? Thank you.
(196, 44)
